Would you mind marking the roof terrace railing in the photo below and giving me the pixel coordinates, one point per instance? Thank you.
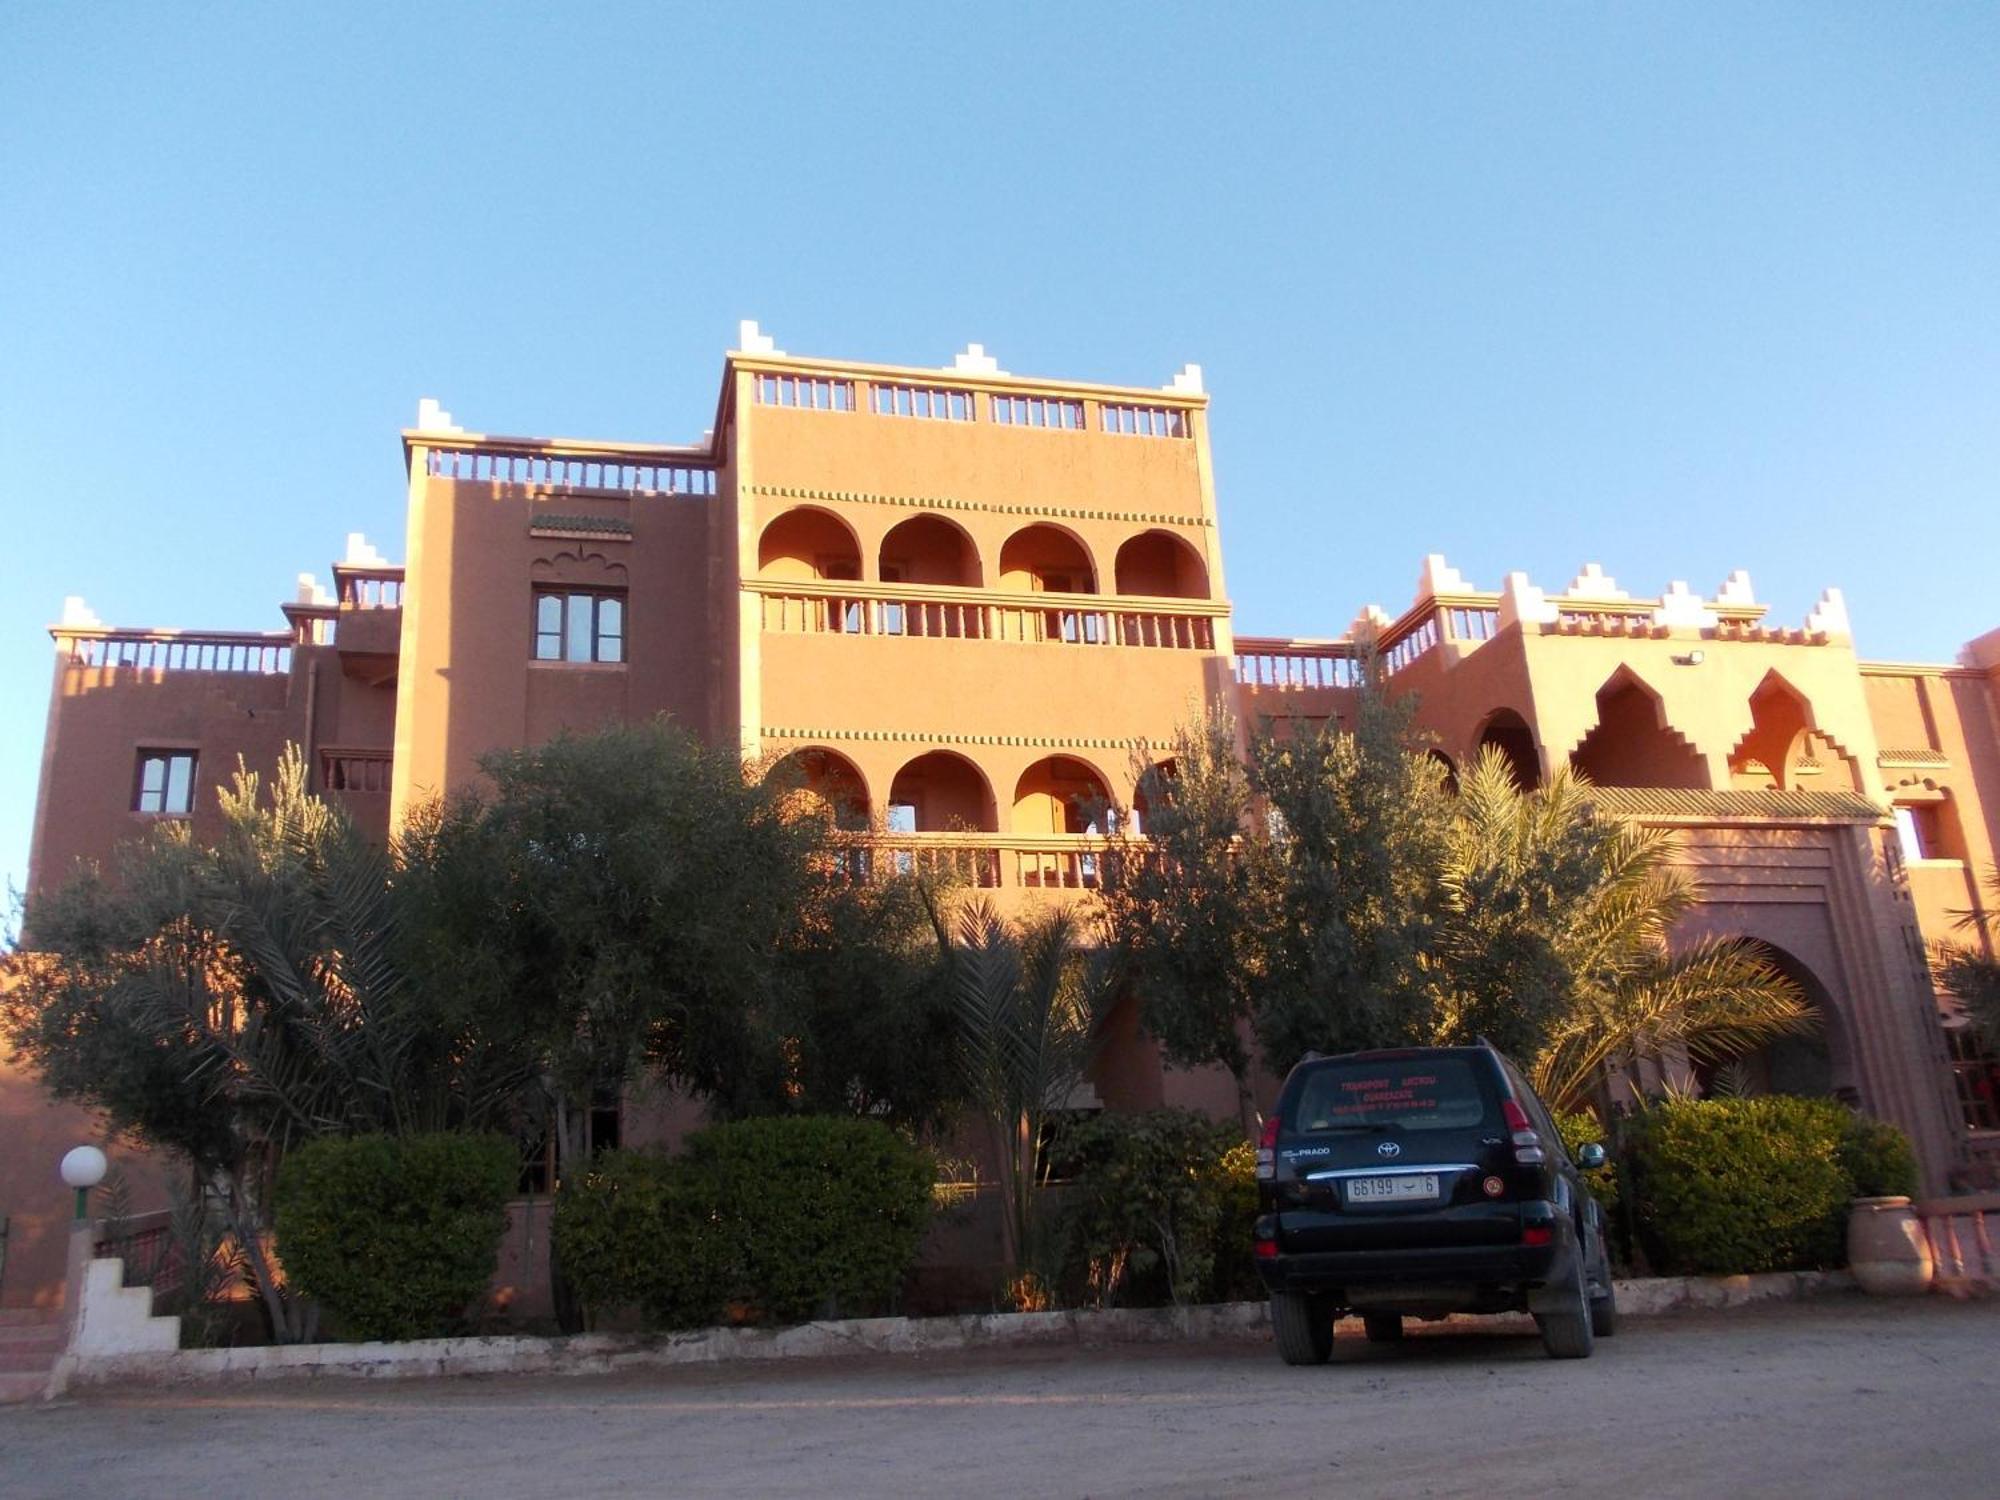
(568, 467)
(262, 653)
(369, 588)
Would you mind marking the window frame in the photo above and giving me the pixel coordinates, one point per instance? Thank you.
(165, 756)
(565, 596)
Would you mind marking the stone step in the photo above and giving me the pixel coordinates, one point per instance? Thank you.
(33, 1333)
(14, 1340)
(15, 1360)
(22, 1387)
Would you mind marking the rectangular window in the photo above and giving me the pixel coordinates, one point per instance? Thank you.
(1976, 1071)
(936, 403)
(811, 392)
(1038, 411)
(1145, 421)
(577, 626)
(165, 783)
(1917, 827)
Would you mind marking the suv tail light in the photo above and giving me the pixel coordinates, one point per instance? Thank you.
(1267, 1151)
(1527, 1143)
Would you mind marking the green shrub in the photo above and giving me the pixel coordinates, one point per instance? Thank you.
(1156, 1201)
(395, 1236)
(1877, 1159)
(1730, 1186)
(775, 1220)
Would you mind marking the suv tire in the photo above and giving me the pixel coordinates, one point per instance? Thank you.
(1383, 1328)
(1304, 1326)
(1568, 1334)
(1604, 1312)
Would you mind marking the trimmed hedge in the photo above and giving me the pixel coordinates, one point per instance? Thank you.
(1878, 1160)
(776, 1221)
(1734, 1186)
(1160, 1209)
(395, 1236)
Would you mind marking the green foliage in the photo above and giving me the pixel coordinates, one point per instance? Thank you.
(1970, 972)
(1152, 1198)
(1186, 901)
(871, 1023)
(1357, 826)
(1731, 1186)
(1877, 1159)
(774, 1220)
(1028, 999)
(635, 1231)
(395, 1236)
(226, 1002)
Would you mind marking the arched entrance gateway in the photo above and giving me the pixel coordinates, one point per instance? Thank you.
(1812, 1065)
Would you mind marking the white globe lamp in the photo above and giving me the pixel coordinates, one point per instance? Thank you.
(83, 1167)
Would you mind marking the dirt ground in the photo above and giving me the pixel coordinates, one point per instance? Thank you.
(1843, 1397)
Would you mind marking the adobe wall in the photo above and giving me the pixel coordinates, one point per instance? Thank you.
(468, 683)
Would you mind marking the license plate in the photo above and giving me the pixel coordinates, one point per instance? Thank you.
(1418, 1187)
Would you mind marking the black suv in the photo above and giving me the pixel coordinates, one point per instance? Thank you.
(1418, 1183)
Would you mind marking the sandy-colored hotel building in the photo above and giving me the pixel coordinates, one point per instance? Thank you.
(961, 596)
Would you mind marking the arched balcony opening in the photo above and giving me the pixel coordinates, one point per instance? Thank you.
(1153, 789)
(930, 550)
(1507, 732)
(1632, 744)
(1161, 564)
(1447, 773)
(1044, 559)
(941, 792)
(806, 545)
(822, 783)
(1060, 794)
(1775, 742)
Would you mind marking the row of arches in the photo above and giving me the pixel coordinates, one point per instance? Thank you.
(1632, 744)
(941, 791)
(811, 543)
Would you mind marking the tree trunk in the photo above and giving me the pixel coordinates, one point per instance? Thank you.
(570, 1154)
(1246, 1104)
(280, 1310)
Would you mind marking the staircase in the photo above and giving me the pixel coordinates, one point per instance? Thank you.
(31, 1340)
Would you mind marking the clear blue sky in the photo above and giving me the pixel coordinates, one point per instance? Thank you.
(1678, 289)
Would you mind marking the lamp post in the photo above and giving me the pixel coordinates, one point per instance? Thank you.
(83, 1167)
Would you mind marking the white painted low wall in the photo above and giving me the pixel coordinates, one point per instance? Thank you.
(601, 1354)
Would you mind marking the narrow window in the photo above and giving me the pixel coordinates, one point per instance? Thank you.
(165, 783)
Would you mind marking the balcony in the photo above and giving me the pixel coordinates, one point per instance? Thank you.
(369, 629)
(258, 653)
(792, 607)
(998, 862)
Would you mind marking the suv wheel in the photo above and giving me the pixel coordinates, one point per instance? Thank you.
(1304, 1326)
(1568, 1334)
(1383, 1328)
(1604, 1312)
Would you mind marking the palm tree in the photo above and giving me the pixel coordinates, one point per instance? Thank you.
(1025, 996)
(1555, 942)
(1972, 974)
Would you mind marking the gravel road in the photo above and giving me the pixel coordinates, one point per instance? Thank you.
(1836, 1398)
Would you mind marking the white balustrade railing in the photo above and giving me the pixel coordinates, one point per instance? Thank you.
(570, 469)
(168, 651)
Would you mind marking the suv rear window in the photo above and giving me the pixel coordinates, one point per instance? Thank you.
(1417, 1093)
